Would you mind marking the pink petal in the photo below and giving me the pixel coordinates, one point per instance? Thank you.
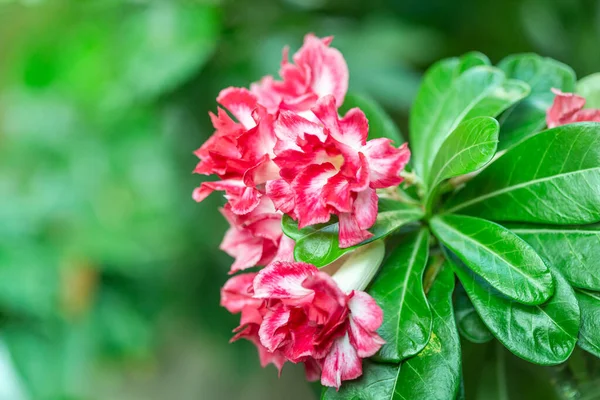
(245, 248)
(342, 363)
(241, 103)
(350, 232)
(311, 207)
(265, 170)
(237, 293)
(366, 343)
(269, 333)
(206, 188)
(285, 252)
(586, 115)
(283, 280)
(282, 195)
(302, 338)
(365, 208)
(266, 357)
(312, 369)
(326, 111)
(365, 311)
(337, 193)
(246, 202)
(289, 127)
(354, 128)
(385, 162)
(328, 69)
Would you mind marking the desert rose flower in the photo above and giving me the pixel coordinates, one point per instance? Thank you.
(317, 71)
(328, 167)
(567, 108)
(294, 312)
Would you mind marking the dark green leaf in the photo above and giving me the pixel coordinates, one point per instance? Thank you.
(468, 148)
(589, 87)
(468, 321)
(380, 123)
(435, 372)
(398, 289)
(319, 245)
(529, 116)
(589, 333)
(497, 255)
(376, 383)
(448, 94)
(552, 177)
(573, 250)
(545, 334)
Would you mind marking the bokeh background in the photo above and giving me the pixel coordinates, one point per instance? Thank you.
(109, 272)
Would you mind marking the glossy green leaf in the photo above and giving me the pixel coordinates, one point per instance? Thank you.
(573, 250)
(544, 334)
(552, 177)
(497, 255)
(589, 87)
(468, 148)
(468, 321)
(529, 116)
(398, 289)
(589, 333)
(376, 383)
(319, 245)
(380, 123)
(434, 373)
(450, 93)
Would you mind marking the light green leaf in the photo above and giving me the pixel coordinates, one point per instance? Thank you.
(544, 334)
(380, 123)
(529, 116)
(398, 289)
(572, 250)
(589, 333)
(448, 95)
(434, 373)
(497, 255)
(552, 177)
(468, 322)
(319, 245)
(589, 87)
(468, 148)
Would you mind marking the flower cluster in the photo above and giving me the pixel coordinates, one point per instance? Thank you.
(282, 147)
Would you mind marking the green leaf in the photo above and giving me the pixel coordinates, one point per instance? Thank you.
(589, 87)
(319, 245)
(376, 383)
(572, 250)
(435, 372)
(380, 123)
(497, 255)
(552, 177)
(448, 95)
(589, 333)
(398, 289)
(468, 321)
(468, 148)
(544, 334)
(529, 116)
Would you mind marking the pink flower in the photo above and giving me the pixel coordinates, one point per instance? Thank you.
(300, 315)
(567, 108)
(238, 152)
(329, 168)
(255, 238)
(317, 71)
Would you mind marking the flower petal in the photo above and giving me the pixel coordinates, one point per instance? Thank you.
(365, 318)
(342, 363)
(354, 128)
(269, 332)
(282, 195)
(350, 232)
(365, 208)
(311, 207)
(385, 162)
(237, 293)
(283, 280)
(241, 103)
(245, 248)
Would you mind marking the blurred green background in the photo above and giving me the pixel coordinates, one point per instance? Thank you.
(109, 272)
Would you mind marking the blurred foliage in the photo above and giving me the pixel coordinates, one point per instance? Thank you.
(109, 272)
